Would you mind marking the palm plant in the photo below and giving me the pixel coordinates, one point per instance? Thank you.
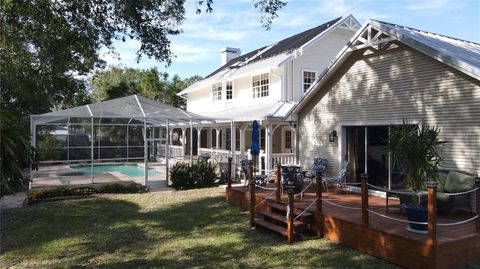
(16, 153)
(416, 150)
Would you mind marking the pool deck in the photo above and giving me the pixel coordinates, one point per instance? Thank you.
(50, 177)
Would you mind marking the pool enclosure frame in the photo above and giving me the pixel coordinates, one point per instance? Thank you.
(150, 113)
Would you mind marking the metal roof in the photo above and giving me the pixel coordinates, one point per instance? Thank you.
(276, 110)
(460, 54)
(265, 57)
(129, 107)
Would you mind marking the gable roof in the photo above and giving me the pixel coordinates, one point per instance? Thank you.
(282, 50)
(459, 54)
(285, 45)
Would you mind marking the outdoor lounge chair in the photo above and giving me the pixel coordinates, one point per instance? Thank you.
(451, 182)
(319, 165)
(258, 179)
(341, 179)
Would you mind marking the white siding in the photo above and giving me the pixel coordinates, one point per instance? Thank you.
(317, 57)
(201, 100)
(402, 83)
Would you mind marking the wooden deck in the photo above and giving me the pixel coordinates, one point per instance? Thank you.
(383, 238)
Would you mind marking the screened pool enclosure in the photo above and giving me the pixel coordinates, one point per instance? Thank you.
(125, 130)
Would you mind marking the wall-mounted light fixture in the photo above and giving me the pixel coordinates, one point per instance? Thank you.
(332, 136)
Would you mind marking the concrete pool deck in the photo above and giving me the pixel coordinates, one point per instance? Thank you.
(64, 176)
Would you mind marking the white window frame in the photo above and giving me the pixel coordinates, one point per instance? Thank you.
(256, 95)
(303, 79)
(226, 90)
(216, 92)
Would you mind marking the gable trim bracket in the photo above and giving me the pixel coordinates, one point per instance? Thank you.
(371, 37)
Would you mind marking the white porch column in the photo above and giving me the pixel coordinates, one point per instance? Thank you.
(233, 148)
(183, 140)
(268, 146)
(209, 137)
(217, 138)
(242, 139)
(199, 139)
(191, 141)
(296, 159)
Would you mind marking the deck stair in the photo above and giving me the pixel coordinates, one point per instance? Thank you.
(275, 220)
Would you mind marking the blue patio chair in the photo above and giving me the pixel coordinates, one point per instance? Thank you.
(341, 179)
(319, 165)
(258, 179)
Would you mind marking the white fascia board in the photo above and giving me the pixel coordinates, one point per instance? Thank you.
(326, 32)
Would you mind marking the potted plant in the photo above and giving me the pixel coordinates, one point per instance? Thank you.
(416, 150)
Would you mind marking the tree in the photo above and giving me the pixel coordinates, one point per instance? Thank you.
(46, 46)
(15, 154)
(117, 82)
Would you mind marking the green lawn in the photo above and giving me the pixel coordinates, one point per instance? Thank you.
(185, 229)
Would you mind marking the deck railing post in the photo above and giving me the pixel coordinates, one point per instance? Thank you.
(364, 178)
(477, 202)
(278, 191)
(432, 213)
(251, 186)
(229, 173)
(318, 205)
(290, 226)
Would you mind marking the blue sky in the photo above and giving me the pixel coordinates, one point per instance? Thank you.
(235, 23)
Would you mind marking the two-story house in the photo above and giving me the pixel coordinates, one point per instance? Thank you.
(261, 85)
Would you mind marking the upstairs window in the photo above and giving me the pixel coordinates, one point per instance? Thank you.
(217, 91)
(260, 85)
(308, 79)
(229, 90)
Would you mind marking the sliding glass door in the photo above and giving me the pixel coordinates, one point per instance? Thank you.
(365, 150)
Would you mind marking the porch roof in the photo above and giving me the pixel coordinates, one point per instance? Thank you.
(276, 110)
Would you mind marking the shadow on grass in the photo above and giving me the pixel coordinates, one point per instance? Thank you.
(116, 233)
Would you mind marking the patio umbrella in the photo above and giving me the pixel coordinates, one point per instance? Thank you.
(255, 147)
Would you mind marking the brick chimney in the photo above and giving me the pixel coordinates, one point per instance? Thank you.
(229, 53)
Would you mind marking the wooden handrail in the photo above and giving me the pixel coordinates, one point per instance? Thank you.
(432, 213)
(251, 187)
(364, 178)
(278, 193)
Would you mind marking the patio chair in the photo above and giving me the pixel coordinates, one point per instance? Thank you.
(341, 179)
(319, 165)
(258, 179)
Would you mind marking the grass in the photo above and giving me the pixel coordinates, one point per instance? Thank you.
(185, 229)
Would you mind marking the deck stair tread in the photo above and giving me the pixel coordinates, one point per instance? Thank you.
(271, 227)
(280, 218)
(296, 211)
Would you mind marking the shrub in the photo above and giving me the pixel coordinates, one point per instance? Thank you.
(38, 195)
(198, 175)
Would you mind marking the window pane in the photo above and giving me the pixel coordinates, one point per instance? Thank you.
(260, 85)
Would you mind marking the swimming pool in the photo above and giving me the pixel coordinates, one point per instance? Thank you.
(130, 170)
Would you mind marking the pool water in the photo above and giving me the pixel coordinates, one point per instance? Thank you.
(126, 169)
